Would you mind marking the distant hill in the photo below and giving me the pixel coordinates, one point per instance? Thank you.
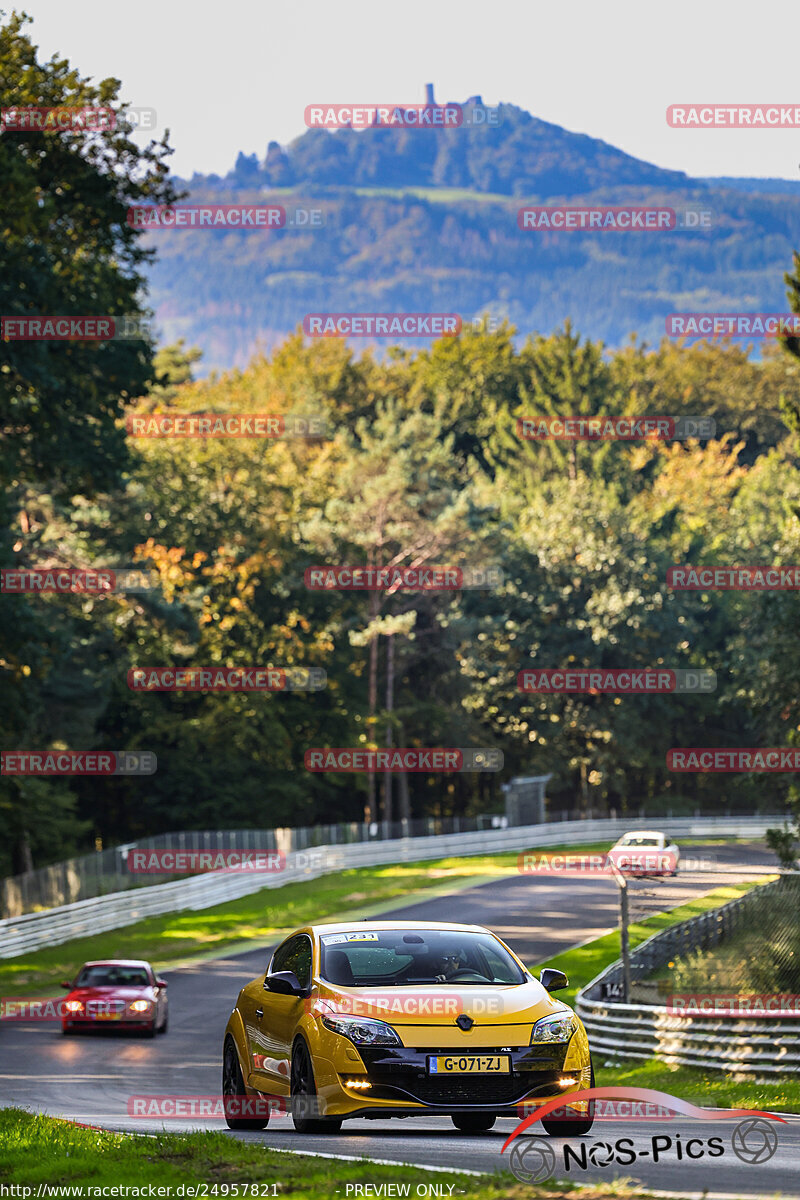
(425, 220)
(764, 187)
(520, 156)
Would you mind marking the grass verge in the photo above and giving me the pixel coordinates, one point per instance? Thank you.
(38, 1150)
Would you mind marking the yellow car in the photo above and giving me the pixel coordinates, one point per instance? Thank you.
(401, 1019)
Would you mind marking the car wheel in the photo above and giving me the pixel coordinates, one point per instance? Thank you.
(233, 1085)
(149, 1030)
(67, 1027)
(304, 1099)
(163, 1027)
(566, 1129)
(473, 1122)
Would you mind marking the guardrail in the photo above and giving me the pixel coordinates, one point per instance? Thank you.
(105, 871)
(18, 935)
(765, 1045)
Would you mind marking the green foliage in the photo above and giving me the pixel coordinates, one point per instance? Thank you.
(424, 468)
(784, 843)
(66, 249)
(762, 956)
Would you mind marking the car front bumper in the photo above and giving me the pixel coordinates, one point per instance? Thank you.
(400, 1085)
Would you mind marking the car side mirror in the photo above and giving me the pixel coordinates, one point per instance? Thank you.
(553, 981)
(65, 983)
(161, 983)
(285, 983)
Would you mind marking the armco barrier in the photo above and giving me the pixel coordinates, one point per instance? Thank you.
(105, 871)
(18, 935)
(764, 1045)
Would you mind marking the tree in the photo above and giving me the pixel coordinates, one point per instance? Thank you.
(66, 249)
(398, 503)
(564, 378)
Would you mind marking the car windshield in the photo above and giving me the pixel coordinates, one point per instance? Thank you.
(401, 958)
(631, 839)
(109, 976)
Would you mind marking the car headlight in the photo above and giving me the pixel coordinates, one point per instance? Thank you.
(363, 1031)
(140, 1006)
(558, 1028)
(74, 1006)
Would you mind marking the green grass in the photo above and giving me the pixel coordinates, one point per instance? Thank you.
(440, 195)
(37, 1149)
(724, 967)
(258, 919)
(710, 1089)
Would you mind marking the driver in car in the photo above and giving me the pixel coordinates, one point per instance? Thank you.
(447, 965)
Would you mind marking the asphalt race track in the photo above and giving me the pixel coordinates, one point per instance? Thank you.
(90, 1078)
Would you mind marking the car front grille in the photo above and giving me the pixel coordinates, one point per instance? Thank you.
(469, 1091)
(428, 1090)
(93, 1007)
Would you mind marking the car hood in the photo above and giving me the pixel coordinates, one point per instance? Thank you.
(113, 993)
(432, 1004)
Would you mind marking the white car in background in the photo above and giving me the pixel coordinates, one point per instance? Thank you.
(643, 852)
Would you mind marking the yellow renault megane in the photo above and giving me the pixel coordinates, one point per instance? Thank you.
(401, 1019)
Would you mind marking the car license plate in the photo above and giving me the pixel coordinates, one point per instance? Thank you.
(469, 1064)
(108, 1016)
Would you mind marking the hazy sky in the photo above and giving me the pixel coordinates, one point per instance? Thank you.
(229, 76)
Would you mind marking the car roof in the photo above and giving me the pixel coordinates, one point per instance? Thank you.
(377, 926)
(118, 962)
(644, 833)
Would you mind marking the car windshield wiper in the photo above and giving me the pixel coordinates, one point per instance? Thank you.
(456, 982)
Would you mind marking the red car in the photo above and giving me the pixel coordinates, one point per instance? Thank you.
(123, 992)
